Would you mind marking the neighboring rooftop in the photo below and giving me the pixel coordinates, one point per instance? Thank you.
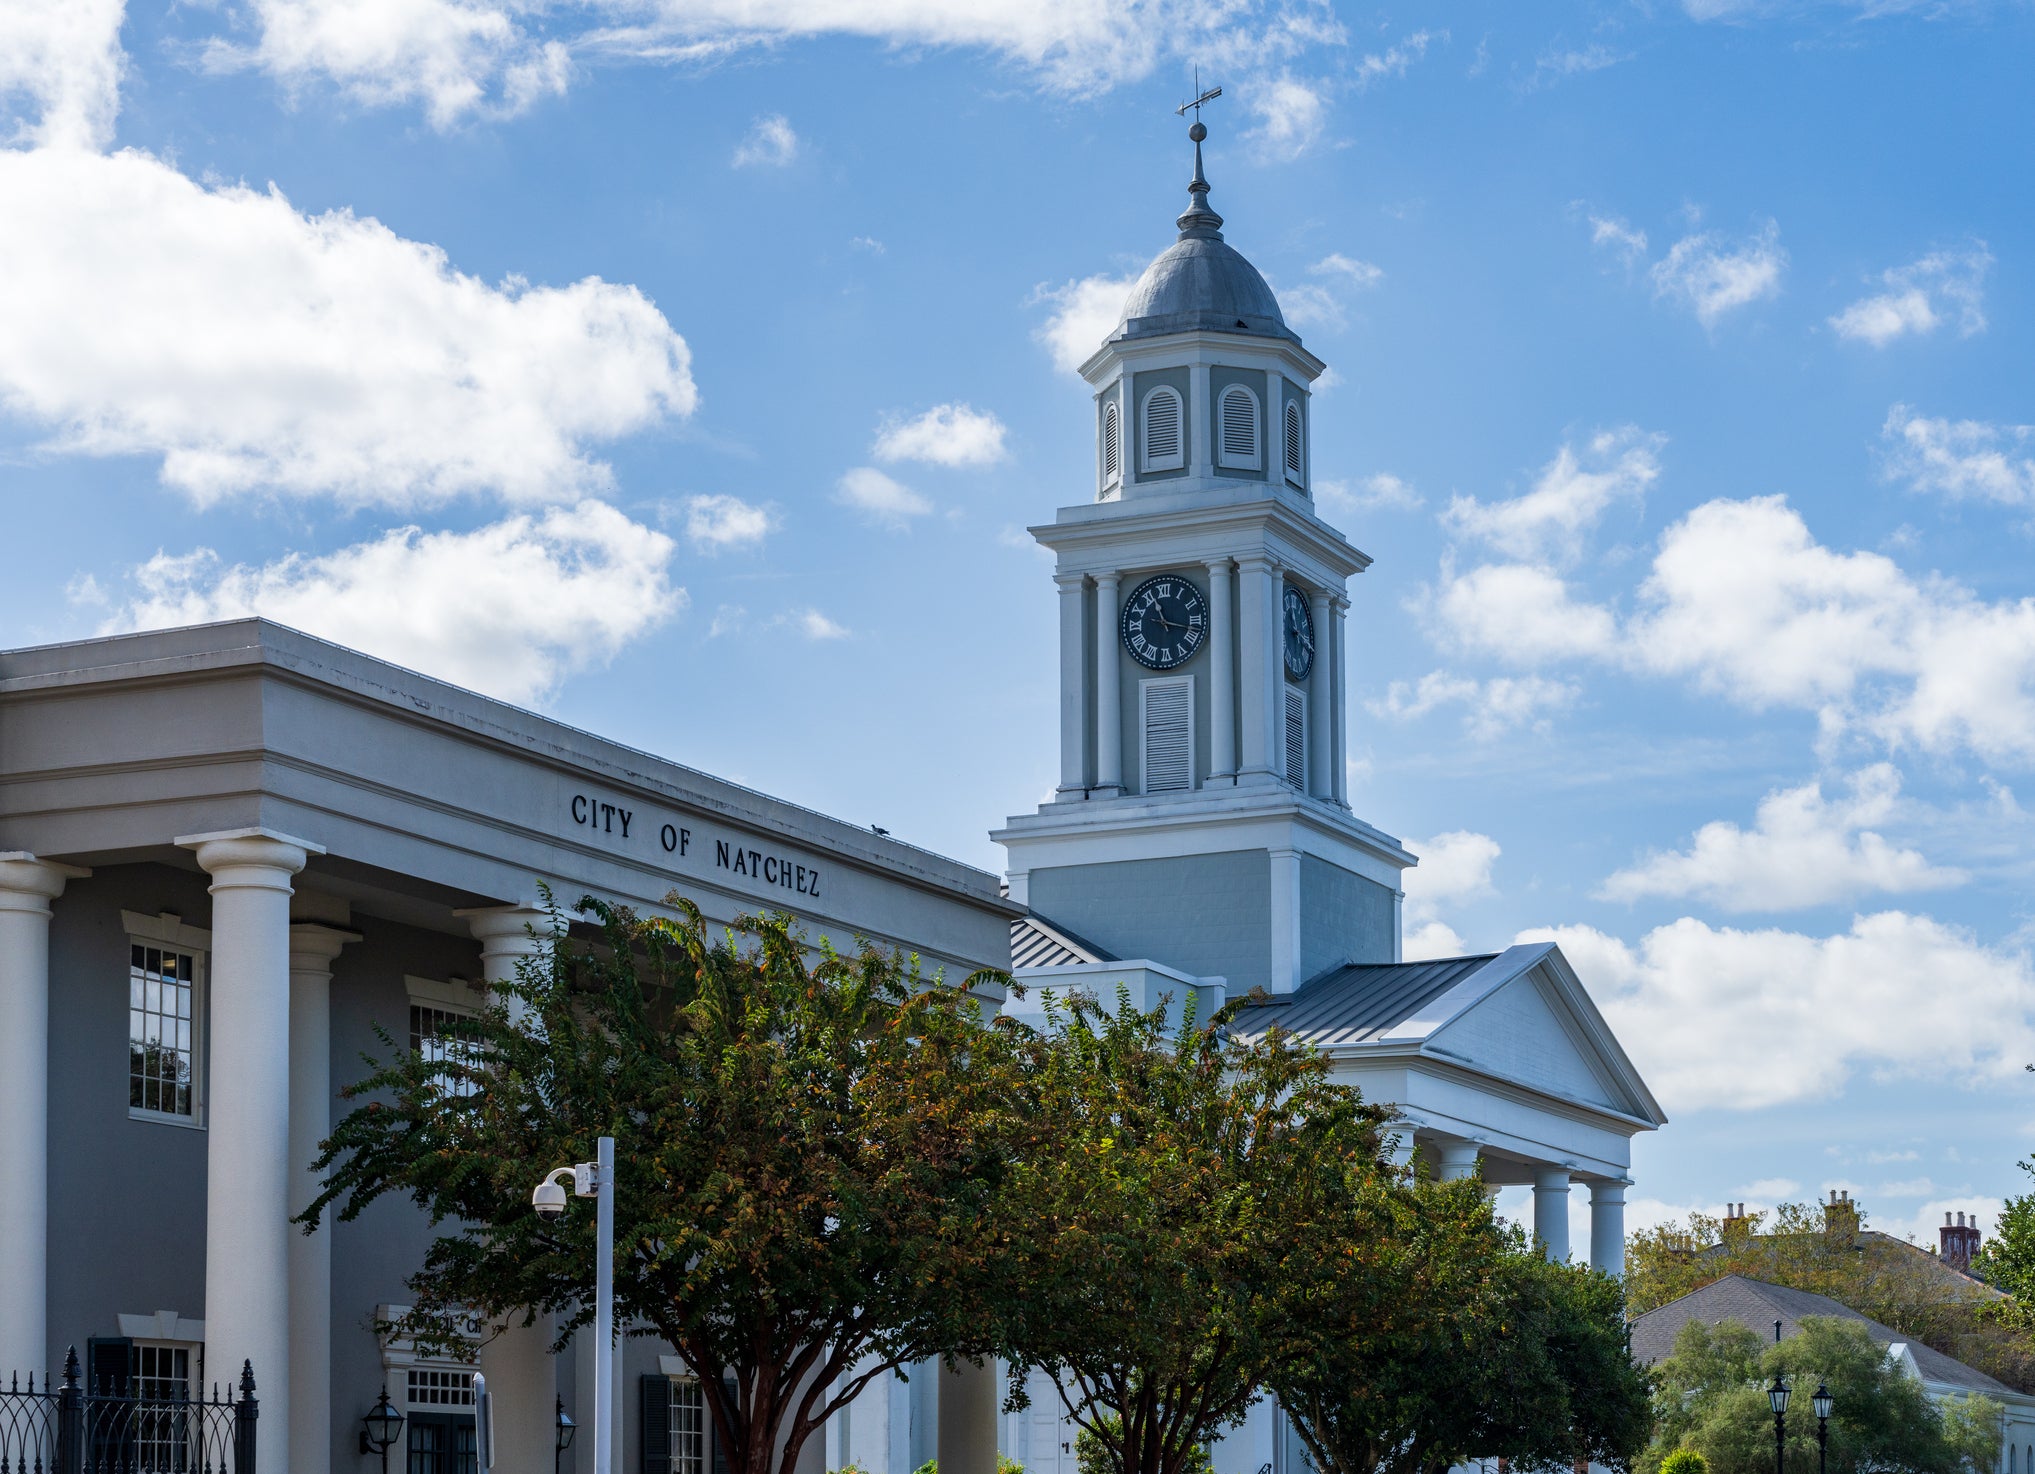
(1756, 1305)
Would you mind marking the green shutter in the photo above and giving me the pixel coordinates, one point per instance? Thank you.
(656, 1423)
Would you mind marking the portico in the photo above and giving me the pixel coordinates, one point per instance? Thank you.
(250, 850)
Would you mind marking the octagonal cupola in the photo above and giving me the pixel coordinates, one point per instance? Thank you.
(1201, 382)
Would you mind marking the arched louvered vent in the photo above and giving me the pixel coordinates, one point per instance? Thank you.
(1296, 455)
(1112, 446)
(1239, 424)
(1165, 448)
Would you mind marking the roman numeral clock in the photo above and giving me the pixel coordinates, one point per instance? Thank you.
(1165, 621)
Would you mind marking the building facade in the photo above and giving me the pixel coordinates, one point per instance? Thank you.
(230, 854)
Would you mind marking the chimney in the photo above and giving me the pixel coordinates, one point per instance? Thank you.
(1840, 1217)
(1960, 1242)
(1737, 1227)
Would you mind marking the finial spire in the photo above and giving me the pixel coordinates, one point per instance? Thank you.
(1199, 220)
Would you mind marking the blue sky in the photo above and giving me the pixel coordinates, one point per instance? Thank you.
(690, 368)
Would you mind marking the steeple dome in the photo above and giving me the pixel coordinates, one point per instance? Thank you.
(1201, 283)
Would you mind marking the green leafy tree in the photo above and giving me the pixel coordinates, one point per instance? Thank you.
(1712, 1398)
(810, 1161)
(1430, 1335)
(2007, 1259)
(1181, 1172)
(1685, 1461)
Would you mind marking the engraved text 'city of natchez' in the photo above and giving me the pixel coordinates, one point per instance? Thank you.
(621, 827)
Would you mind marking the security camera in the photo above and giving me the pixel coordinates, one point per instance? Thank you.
(548, 1199)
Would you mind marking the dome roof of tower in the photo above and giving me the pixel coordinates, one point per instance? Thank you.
(1201, 283)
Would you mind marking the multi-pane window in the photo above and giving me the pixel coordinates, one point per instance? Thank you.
(688, 1427)
(444, 1034)
(163, 1428)
(161, 1060)
(434, 1387)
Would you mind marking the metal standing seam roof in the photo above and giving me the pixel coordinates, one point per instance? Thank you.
(1360, 1002)
(1036, 942)
(1756, 1305)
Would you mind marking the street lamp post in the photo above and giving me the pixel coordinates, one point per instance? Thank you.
(566, 1428)
(1777, 1398)
(380, 1427)
(1823, 1402)
(596, 1180)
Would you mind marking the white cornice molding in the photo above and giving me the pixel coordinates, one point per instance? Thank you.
(166, 929)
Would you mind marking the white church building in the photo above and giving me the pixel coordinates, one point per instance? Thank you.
(229, 853)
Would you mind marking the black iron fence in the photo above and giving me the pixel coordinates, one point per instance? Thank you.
(73, 1428)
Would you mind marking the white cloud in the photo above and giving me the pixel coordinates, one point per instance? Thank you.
(1394, 60)
(1918, 296)
(1291, 115)
(1321, 302)
(1712, 278)
(1430, 940)
(771, 143)
(1519, 612)
(1379, 491)
(462, 55)
(1768, 1190)
(945, 435)
(453, 57)
(1610, 231)
(60, 67)
(1960, 458)
(1720, 1017)
(1572, 492)
(254, 348)
(1558, 65)
(729, 619)
(881, 499)
(1358, 273)
(510, 609)
(812, 624)
(1084, 313)
(717, 522)
(1803, 850)
(1490, 708)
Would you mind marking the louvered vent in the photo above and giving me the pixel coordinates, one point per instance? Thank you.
(1239, 428)
(1169, 734)
(1293, 455)
(1112, 445)
(1296, 738)
(1162, 431)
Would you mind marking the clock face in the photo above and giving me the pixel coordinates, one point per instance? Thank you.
(1299, 634)
(1165, 620)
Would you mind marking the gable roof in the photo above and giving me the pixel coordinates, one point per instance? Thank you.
(1037, 942)
(1521, 1015)
(1756, 1305)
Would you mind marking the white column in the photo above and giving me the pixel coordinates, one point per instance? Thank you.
(967, 1427)
(1551, 1211)
(1108, 690)
(251, 1186)
(1402, 1147)
(1201, 421)
(1321, 702)
(1073, 687)
(1257, 665)
(1339, 756)
(27, 886)
(1285, 921)
(313, 947)
(1458, 1160)
(1222, 676)
(1607, 1227)
(517, 1362)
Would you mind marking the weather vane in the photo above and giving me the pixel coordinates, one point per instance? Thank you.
(1197, 132)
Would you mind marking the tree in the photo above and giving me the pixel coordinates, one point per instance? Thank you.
(810, 1158)
(1885, 1278)
(1187, 1170)
(1434, 1335)
(2007, 1259)
(1711, 1397)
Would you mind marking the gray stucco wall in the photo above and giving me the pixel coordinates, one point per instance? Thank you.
(1208, 915)
(126, 1198)
(1343, 917)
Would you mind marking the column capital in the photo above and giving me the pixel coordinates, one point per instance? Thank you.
(1071, 580)
(1218, 565)
(1107, 576)
(1458, 1158)
(508, 931)
(314, 945)
(1607, 1190)
(262, 859)
(30, 884)
(1258, 561)
(1551, 1179)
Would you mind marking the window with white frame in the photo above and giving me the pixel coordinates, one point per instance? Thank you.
(436, 1388)
(164, 1430)
(1296, 452)
(1166, 724)
(1164, 445)
(443, 1029)
(1112, 446)
(164, 1008)
(688, 1427)
(1237, 429)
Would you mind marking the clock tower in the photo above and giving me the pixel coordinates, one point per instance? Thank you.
(1201, 817)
